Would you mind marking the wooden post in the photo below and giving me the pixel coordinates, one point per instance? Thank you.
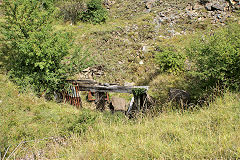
(143, 105)
(79, 101)
(139, 102)
(100, 101)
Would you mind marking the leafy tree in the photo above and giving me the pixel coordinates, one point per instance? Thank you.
(36, 55)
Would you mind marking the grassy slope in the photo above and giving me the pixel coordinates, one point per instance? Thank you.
(203, 134)
(207, 133)
(210, 133)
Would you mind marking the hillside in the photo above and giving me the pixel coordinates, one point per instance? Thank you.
(133, 35)
(128, 49)
(57, 131)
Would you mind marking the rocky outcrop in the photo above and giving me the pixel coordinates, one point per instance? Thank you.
(215, 11)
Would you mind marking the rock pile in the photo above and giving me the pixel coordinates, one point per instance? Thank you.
(91, 72)
(216, 11)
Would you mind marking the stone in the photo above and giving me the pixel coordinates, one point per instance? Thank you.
(58, 97)
(189, 7)
(149, 4)
(198, 7)
(144, 48)
(118, 104)
(217, 6)
(108, 3)
(179, 96)
(208, 6)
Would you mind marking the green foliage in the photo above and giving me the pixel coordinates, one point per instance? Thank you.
(95, 12)
(138, 91)
(170, 61)
(35, 54)
(216, 58)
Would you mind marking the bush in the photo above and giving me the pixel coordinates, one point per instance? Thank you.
(72, 10)
(216, 58)
(35, 54)
(170, 61)
(95, 12)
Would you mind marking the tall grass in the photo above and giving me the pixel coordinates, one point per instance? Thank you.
(211, 132)
(208, 133)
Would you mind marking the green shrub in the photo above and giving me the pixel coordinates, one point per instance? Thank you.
(72, 10)
(170, 61)
(95, 12)
(35, 54)
(216, 58)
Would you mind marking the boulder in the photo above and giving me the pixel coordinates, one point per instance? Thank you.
(198, 7)
(208, 6)
(118, 104)
(217, 6)
(179, 96)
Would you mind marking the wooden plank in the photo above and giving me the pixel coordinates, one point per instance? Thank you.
(87, 81)
(100, 88)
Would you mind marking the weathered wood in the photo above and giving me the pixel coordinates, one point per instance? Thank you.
(100, 88)
(90, 85)
(83, 81)
(100, 101)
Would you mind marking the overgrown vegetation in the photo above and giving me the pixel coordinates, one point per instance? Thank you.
(36, 55)
(170, 61)
(72, 10)
(208, 133)
(95, 12)
(210, 60)
(216, 58)
(78, 10)
(127, 48)
(25, 118)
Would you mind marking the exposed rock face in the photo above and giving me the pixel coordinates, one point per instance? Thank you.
(217, 5)
(118, 104)
(217, 13)
(180, 96)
